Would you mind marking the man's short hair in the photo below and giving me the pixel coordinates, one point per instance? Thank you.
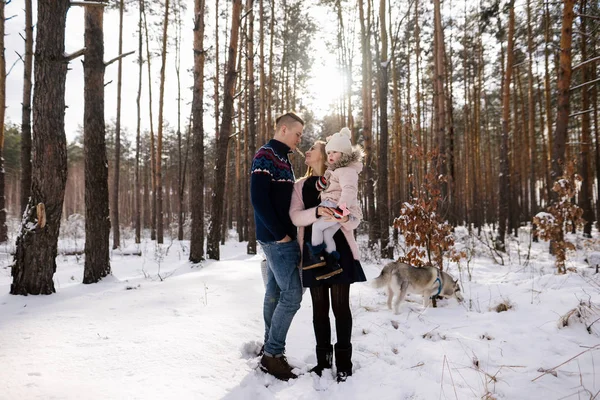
(286, 119)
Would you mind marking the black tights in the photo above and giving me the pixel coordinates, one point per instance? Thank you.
(340, 302)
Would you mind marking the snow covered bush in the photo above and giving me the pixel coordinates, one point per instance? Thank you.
(561, 214)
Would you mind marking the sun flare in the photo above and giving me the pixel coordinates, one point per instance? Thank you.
(326, 87)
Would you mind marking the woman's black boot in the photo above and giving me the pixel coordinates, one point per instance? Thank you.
(343, 362)
(332, 268)
(324, 359)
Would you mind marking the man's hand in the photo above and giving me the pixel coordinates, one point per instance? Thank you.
(286, 239)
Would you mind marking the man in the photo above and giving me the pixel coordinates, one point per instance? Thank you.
(271, 184)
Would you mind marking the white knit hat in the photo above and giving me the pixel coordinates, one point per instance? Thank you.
(340, 142)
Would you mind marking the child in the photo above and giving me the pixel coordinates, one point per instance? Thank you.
(339, 191)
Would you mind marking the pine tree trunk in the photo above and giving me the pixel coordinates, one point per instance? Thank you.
(382, 165)
(586, 138)
(238, 153)
(97, 222)
(217, 66)
(244, 160)
(159, 135)
(531, 121)
(147, 220)
(180, 176)
(3, 227)
(271, 75)
(251, 248)
(367, 108)
(223, 137)
(117, 166)
(452, 152)
(166, 191)
(548, 102)
(26, 109)
(504, 181)
(440, 95)
(398, 161)
(262, 118)
(564, 83)
(36, 248)
(138, 187)
(152, 146)
(347, 65)
(515, 161)
(480, 197)
(420, 169)
(594, 92)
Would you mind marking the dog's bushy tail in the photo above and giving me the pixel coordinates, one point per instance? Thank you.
(382, 279)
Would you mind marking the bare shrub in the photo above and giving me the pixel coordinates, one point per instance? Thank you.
(560, 214)
(428, 237)
(505, 305)
(586, 313)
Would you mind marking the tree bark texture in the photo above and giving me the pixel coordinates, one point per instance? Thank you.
(382, 186)
(115, 193)
(439, 93)
(26, 109)
(138, 185)
(367, 109)
(152, 145)
(159, 136)
(564, 83)
(197, 206)
(504, 181)
(586, 137)
(97, 221)
(35, 258)
(251, 248)
(223, 137)
(3, 227)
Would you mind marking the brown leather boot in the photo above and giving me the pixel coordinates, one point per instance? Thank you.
(277, 366)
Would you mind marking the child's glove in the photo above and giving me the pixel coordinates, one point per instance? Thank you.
(322, 183)
(341, 211)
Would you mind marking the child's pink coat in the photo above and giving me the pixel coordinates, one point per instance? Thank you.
(302, 217)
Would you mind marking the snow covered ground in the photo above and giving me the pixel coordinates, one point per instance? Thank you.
(192, 332)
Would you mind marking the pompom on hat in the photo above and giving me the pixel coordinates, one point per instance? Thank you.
(340, 141)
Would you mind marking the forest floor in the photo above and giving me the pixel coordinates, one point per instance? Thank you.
(161, 327)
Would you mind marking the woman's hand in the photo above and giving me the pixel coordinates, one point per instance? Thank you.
(339, 220)
(324, 212)
(327, 213)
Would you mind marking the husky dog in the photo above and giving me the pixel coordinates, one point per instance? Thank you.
(428, 281)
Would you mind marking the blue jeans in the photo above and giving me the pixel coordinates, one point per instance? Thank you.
(283, 293)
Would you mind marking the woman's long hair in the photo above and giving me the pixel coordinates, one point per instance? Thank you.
(310, 171)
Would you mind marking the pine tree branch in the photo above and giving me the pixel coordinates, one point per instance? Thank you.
(585, 84)
(581, 64)
(72, 56)
(88, 3)
(581, 112)
(12, 66)
(589, 16)
(106, 64)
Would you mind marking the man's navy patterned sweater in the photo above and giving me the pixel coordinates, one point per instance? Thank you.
(271, 185)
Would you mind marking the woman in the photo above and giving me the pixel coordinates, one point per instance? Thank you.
(304, 211)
